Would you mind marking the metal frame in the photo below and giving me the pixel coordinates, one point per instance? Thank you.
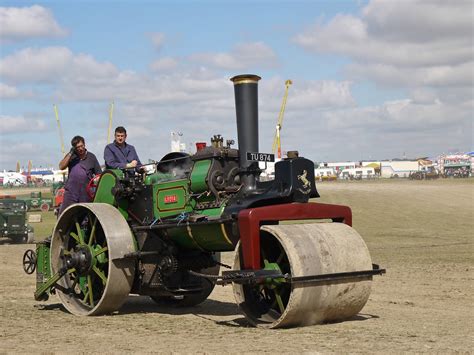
(251, 219)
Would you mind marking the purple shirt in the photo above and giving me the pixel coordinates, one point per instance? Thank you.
(80, 173)
(117, 157)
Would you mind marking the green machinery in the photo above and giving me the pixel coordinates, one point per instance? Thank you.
(160, 231)
(36, 201)
(13, 222)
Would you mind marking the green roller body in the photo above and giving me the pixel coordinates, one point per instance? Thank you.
(43, 265)
(199, 176)
(172, 198)
(210, 237)
(104, 194)
(177, 199)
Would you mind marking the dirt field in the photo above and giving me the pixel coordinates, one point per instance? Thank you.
(420, 231)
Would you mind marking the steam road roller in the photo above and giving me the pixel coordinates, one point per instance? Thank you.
(160, 232)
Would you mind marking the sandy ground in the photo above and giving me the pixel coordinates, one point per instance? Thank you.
(422, 232)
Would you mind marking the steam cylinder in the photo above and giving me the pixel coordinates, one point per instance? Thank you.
(246, 106)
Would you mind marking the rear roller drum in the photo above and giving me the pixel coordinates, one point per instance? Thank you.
(305, 250)
(90, 240)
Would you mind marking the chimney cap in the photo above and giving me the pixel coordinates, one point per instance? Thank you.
(245, 79)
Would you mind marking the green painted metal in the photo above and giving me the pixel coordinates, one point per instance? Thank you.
(36, 200)
(91, 285)
(41, 292)
(213, 212)
(273, 282)
(104, 191)
(204, 198)
(182, 238)
(199, 176)
(212, 237)
(43, 265)
(172, 198)
(99, 253)
(209, 237)
(156, 178)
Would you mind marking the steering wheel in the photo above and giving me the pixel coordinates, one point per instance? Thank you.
(91, 187)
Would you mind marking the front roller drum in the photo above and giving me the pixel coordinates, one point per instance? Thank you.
(306, 250)
(90, 241)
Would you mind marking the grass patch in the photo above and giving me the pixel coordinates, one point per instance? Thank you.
(45, 227)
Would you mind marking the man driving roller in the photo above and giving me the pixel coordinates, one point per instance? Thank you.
(120, 154)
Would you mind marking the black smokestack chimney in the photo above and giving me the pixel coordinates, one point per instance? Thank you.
(246, 107)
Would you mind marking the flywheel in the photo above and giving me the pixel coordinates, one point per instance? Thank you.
(195, 298)
(305, 250)
(90, 241)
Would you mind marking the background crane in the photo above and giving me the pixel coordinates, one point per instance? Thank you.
(61, 137)
(111, 112)
(276, 140)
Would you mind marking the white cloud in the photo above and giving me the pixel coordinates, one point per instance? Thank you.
(380, 131)
(321, 116)
(241, 56)
(321, 94)
(20, 23)
(395, 116)
(12, 125)
(164, 64)
(436, 76)
(423, 48)
(53, 64)
(35, 65)
(13, 151)
(419, 21)
(8, 92)
(420, 42)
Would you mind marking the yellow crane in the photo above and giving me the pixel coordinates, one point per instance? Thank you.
(276, 140)
(111, 112)
(61, 138)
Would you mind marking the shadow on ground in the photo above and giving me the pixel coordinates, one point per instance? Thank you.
(143, 304)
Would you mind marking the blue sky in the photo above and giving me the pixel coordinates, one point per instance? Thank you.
(371, 79)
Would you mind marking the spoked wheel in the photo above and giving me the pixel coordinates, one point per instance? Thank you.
(29, 261)
(306, 250)
(90, 241)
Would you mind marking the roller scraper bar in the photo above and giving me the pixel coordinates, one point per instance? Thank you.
(262, 276)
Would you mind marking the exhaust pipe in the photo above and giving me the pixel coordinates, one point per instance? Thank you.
(246, 107)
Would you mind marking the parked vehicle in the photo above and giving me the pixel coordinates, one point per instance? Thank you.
(325, 174)
(428, 173)
(36, 202)
(13, 223)
(357, 173)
